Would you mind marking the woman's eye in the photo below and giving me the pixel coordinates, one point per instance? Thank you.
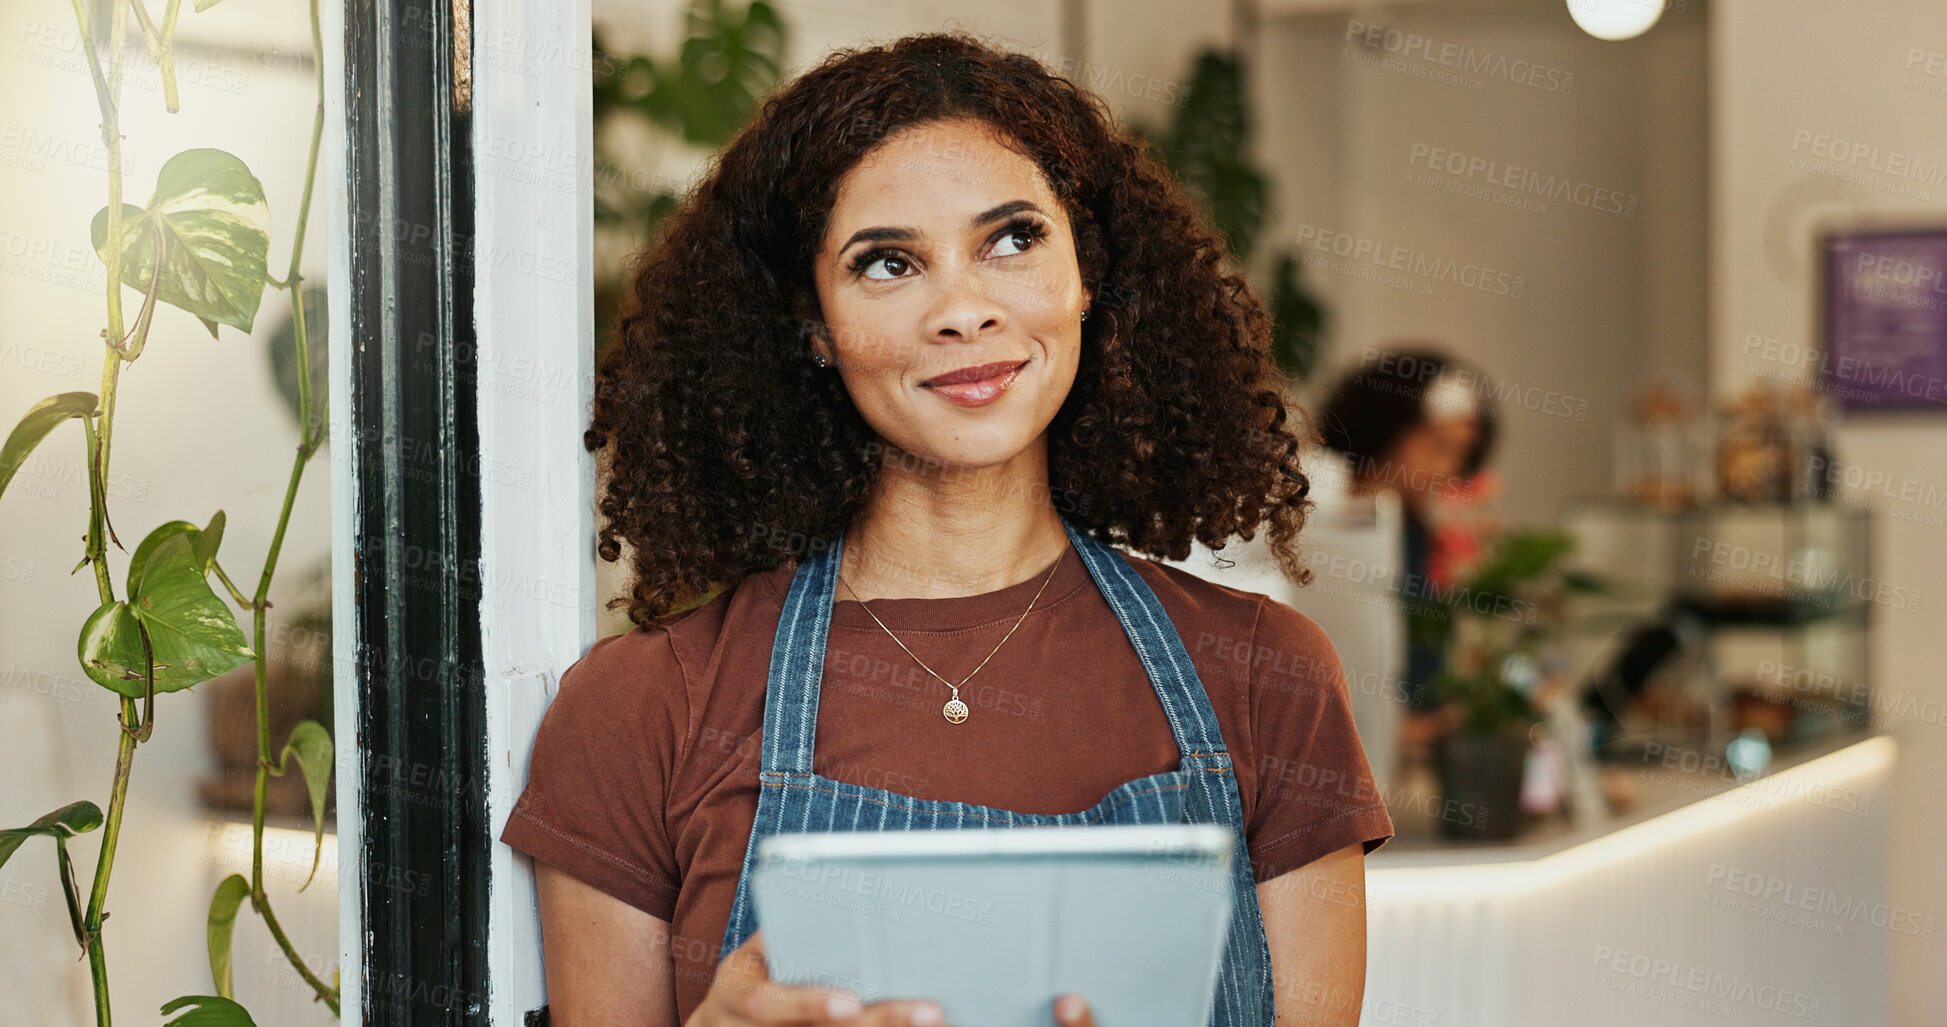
(884, 268)
(1019, 239)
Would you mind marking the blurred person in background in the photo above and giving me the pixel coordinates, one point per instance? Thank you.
(1413, 420)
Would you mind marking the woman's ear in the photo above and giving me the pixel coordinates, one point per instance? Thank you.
(818, 343)
(813, 333)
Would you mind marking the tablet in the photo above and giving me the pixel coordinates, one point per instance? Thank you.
(994, 924)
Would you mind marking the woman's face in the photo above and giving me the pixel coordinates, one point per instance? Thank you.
(947, 250)
(1428, 457)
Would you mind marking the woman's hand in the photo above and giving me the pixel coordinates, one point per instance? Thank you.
(1072, 1011)
(743, 993)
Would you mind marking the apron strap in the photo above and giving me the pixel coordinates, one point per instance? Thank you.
(1157, 644)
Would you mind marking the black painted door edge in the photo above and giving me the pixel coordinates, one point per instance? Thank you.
(421, 730)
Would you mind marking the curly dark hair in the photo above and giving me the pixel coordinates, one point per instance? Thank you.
(728, 451)
(1379, 401)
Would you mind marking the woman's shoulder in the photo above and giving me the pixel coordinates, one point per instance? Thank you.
(1180, 585)
(1212, 616)
(647, 657)
(1173, 583)
(1205, 613)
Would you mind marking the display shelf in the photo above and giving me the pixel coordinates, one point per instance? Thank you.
(1780, 596)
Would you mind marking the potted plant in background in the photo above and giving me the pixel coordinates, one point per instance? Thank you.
(1491, 604)
(650, 109)
(1208, 147)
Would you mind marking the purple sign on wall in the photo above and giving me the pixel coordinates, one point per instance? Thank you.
(1885, 327)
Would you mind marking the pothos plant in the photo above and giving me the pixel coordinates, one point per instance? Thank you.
(202, 245)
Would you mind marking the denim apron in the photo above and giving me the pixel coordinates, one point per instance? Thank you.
(1203, 790)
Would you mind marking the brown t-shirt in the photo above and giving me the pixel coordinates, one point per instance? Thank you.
(643, 781)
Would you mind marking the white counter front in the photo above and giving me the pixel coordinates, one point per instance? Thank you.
(1712, 903)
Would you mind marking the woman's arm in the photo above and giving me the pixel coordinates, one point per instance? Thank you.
(1315, 922)
(608, 962)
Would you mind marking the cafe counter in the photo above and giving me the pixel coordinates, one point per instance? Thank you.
(1711, 901)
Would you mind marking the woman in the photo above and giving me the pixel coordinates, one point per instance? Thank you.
(1417, 422)
(926, 336)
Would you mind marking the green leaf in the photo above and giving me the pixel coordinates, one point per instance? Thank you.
(34, 425)
(139, 563)
(282, 346)
(209, 217)
(1208, 149)
(192, 633)
(60, 825)
(66, 822)
(223, 920)
(1584, 582)
(70, 892)
(209, 1011)
(1520, 556)
(204, 5)
(1297, 319)
(727, 64)
(203, 542)
(730, 60)
(311, 744)
(110, 650)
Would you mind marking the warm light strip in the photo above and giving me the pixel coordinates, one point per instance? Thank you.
(1513, 878)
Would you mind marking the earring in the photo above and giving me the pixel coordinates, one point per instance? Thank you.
(819, 359)
(1084, 313)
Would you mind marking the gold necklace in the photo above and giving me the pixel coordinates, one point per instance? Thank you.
(955, 711)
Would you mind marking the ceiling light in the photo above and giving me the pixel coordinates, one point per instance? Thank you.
(1615, 19)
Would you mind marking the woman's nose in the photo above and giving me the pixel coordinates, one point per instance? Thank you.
(965, 310)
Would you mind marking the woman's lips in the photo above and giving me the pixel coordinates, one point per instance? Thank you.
(980, 393)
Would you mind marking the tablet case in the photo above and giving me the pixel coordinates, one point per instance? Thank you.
(994, 924)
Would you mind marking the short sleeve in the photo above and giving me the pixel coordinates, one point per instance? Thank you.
(603, 760)
(1315, 793)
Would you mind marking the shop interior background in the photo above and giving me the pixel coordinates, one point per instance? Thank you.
(1707, 146)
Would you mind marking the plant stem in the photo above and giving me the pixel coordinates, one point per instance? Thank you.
(283, 522)
(307, 445)
(107, 95)
(111, 137)
(131, 347)
(161, 50)
(111, 833)
(97, 491)
(260, 668)
(325, 991)
(111, 375)
(258, 605)
(235, 592)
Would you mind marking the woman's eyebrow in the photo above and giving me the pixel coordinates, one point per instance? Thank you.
(1008, 209)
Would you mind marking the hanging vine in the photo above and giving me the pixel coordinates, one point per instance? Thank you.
(201, 244)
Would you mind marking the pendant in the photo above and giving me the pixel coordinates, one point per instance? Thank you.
(954, 710)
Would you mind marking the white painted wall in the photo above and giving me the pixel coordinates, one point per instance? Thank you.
(1588, 305)
(1782, 67)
